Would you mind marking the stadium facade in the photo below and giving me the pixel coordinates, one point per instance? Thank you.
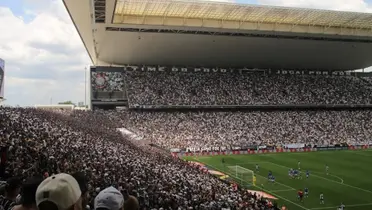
(213, 36)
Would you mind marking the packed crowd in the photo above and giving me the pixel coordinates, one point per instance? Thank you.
(107, 81)
(86, 145)
(227, 130)
(175, 88)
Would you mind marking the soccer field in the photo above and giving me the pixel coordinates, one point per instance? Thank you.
(349, 180)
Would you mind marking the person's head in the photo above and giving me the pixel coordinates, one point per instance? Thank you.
(13, 187)
(59, 192)
(83, 184)
(109, 199)
(28, 191)
(131, 203)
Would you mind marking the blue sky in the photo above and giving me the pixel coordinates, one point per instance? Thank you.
(45, 58)
(19, 8)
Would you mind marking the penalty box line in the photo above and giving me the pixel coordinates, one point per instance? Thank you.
(346, 206)
(289, 188)
(341, 183)
(265, 190)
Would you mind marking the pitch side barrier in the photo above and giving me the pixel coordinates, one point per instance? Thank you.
(269, 151)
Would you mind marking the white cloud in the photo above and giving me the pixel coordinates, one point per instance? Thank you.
(44, 57)
(341, 5)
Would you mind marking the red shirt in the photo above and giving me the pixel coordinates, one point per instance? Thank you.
(300, 193)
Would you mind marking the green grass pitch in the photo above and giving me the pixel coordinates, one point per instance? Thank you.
(349, 180)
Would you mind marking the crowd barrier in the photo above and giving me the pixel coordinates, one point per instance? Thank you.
(266, 151)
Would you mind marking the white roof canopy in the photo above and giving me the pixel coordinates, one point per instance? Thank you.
(205, 33)
(207, 10)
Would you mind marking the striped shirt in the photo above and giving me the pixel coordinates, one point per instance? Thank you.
(6, 204)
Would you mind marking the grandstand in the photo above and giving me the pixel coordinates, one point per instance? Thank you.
(153, 35)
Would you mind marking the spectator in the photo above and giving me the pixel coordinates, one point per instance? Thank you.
(208, 89)
(48, 143)
(83, 184)
(12, 189)
(195, 131)
(59, 192)
(28, 194)
(131, 203)
(109, 199)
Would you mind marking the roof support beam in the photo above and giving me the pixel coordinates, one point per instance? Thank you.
(186, 11)
(229, 13)
(166, 11)
(349, 22)
(122, 12)
(144, 12)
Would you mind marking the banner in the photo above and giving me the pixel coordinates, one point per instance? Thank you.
(179, 69)
(266, 151)
(331, 148)
(2, 76)
(231, 70)
(243, 70)
(294, 146)
(129, 134)
(310, 72)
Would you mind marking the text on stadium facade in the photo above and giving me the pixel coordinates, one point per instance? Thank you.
(177, 69)
(231, 70)
(309, 72)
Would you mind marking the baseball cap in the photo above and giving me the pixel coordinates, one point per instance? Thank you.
(109, 198)
(61, 189)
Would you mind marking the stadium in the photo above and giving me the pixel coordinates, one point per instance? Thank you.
(206, 105)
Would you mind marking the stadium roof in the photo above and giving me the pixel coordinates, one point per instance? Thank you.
(208, 10)
(205, 33)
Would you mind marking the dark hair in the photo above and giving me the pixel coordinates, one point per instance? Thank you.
(131, 203)
(102, 209)
(47, 205)
(82, 181)
(29, 191)
(12, 184)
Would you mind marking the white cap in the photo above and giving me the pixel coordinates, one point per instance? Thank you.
(62, 189)
(109, 198)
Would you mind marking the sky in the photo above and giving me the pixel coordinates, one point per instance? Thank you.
(45, 59)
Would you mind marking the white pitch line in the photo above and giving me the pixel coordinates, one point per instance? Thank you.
(273, 193)
(204, 157)
(254, 162)
(360, 153)
(342, 181)
(329, 179)
(302, 207)
(289, 187)
(282, 190)
(347, 206)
